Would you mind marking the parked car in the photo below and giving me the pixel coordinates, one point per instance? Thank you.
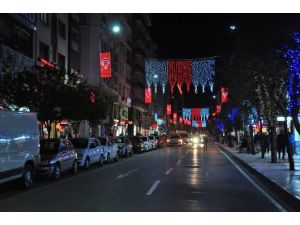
(153, 142)
(174, 139)
(137, 144)
(146, 143)
(57, 156)
(124, 146)
(19, 147)
(88, 151)
(110, 149)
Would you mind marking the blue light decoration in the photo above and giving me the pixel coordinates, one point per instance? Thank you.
(155, 117)
(293, 59)
(203, 73)
(233, 114)
(186, 113)
(194, 123)
(156, 73)
(204, 123)
(220, 125)
(204, 114)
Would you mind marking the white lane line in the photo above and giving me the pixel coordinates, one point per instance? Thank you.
(153, 187)
(178, 162)
(168, 171)
(120, 176)
(277, 204)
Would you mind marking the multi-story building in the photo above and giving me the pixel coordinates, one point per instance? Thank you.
(143, 47)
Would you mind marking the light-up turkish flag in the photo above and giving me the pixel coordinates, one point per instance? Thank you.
(174, 117)
(224, 92)
(180, 120)
(105, 65)
(148, 98)
(218, 109)
(169, 109)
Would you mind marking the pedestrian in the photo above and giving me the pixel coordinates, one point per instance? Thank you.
(292, 142)
(244, 145)
(265, 145)
(281, 144)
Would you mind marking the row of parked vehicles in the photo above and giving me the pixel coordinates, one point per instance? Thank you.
(22, 153)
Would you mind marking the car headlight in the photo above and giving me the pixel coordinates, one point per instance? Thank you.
(195, 140)
(168, 140)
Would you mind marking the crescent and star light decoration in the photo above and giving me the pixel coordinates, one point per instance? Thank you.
(179, 73)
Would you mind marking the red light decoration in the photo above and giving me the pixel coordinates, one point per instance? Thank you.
(224, 92)
(105, 65)
(169, 109)
(214, 114)
(188, 122)
(45, 62)
(170, 121)
(180, 72)
(92, 97)
(196, 112)
(218, 109)
(174, 117)
(154, 126)
(148, 97)
(199, 122)
(180, 120)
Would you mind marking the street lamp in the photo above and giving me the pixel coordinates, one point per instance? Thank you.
(232, 27)
(116, 28)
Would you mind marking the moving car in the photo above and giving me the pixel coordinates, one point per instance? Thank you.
(174, 139)
(88, 151)
(110, 149)
(57, 156)
(19, 147)
(197, 141)
(137, 144)
(124, 146)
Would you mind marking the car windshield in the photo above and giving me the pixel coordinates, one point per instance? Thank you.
(80, 143)
(174, 137)
(49, 146)
(102, 141)
(120, 140)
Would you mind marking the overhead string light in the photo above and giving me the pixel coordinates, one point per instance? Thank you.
(156, 73)
(203, 72)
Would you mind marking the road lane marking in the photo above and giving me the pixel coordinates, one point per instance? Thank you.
(153, 187)
(178, 162)
(168, 171)
(274, 202)
(126, 174)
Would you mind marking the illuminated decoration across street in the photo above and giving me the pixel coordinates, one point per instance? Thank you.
(220, 125)
(218, 109)
(233, 114)
(293, 85)
(187, 113)
(203, 73)
(180, 120)
(156, 73)
(105, 65)
(204, 114)
(224, 92)
(45, 62)
(195, 113)
(148, 97)
(180, 73)
(169, 109)
(175, 117)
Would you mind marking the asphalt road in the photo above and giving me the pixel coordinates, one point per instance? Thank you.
(166, 180)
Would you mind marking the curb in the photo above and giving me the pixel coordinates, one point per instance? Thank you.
(291, 202)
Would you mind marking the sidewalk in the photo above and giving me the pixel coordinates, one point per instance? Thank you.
(277, 172)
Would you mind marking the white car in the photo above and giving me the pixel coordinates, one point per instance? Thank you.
(146, 143)
(153, 142)
(110, 149)
(19, 146)
(88, 151)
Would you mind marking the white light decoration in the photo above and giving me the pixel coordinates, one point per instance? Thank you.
(203, 72)
(156, 73)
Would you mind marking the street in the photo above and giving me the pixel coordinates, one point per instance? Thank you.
(168, 179)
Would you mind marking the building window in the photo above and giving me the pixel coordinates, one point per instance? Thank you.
(61, 61)
(22, 41)
(44, 18)
(61, 29)
(44, 51)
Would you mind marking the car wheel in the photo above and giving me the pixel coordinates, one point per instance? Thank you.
(108, 158)
(75, 167)
(27, 177)
(56, 172)
(117, 157)
(86, 164)
(101, 161)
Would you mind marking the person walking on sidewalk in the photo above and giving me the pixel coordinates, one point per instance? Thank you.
(265, 145)
(281, 144)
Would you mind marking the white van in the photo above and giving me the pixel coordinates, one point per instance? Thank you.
(19, 146)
